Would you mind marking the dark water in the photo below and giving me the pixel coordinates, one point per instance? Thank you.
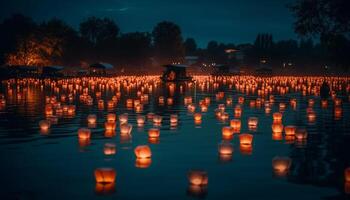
(54, 165)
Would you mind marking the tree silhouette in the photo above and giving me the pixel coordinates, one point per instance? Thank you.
(190, 46)
(168, 44)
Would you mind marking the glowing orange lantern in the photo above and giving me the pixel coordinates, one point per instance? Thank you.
(238, 111)
(301, 134)
(110, 126)
(281, 165)
(111, 117)
(253, 121)
(236, 125)
(173, 119)
(140, 120)
(153, 133)
(277, 127)
(277, 117)
(290, 130)
(227, 132)
(91, 119)
(198, 178)
(44, 125)
(105, 175)
(123, 118)
(125, 129)
(84, 133)
(143, 151)
(245, 139)
(225, 148)
(197, 117)
(109, 149)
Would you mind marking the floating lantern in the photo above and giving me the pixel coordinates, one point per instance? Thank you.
(225, 148)
(110, 126)
(138, 108)
(187, 100)
(245, 139)
(204, 108)
(240, 100)
(129, 103)
(91, 119)
(150, 115)
(293, 103)
(277, 127)
(191, 108)
(282, 106)
(301, 134)
(125, 129)
(157, 120)
(277, 117)
(227, 132)
(170, 101)
(281, 165)
(44, 125)
(140, 120)
(224, 116)
(143, 151)
(238, 111)
(84, 133)
(207, 100)
(337, 102)
(123, 118)
(236, 125)
(252, 104)
(311, 116)
(111, 117)
(253, 122)
(290, 130)
(197, 117)
(311, 102)
(221, 107)
(229, 101)
(161, 100)
(197, 177)
(105, 175)
(337, 113)
(109, 149)
(153, 133)
(324, 103)
(173, 119)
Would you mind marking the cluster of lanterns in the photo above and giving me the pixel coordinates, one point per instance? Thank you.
(89, 91)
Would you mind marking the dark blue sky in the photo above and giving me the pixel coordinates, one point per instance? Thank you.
(236, 21)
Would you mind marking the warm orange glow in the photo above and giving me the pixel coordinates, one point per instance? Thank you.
(197, 117)
(198, 178)
(143, 151)
(84, 133)
(238, 111)
(173, 120)
(44, 125)
(236, 125)
(125, 129)
(245, 139)
(143, 162)
(106, 188)
(109, 149)
(290, 130)
(253, 122)
(111, 117)
(225, 148)
(91, 119)
(123, 118)
(281, 165)
(277, 127)
(105, 175)
(301, 134)
(347, 174)
(153, 133)
(110, 126)
(227, 132)
(277, 117)
(140, 120)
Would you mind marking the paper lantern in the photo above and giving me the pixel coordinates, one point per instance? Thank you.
(191, 108)
(109, 149)
(105, 175)
(311, 102)
(111, 117)
(277, 127)
(253, 121)
(143, 151)
(84, 133)
(187, 100)
(204, 108)
(157, 120)
(311, 116)
(197, 177)
(240, 100)
(277, 136)
(238, 111)
(282, 106)
(290, 130)
(110, 126)
(161, 100)
(337, 113)
(245, 139)
(170, 101)
(281, 165)
(197, 117)
(140, 120)
(123, 118)
(227, 132)
(44, 125)
(129, 103)
(91, 119)
(225, 148)
(173, 119)
(224, 116)
(324, 103)
(277, 117)
(301, 134)
(236, 125)
(153, 133)
(125, 129)
(229, 101)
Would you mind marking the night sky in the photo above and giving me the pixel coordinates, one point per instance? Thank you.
(235, 21)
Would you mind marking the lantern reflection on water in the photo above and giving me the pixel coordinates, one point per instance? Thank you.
(281, 165)
(277, 127)
(290, 130)
(110, 126)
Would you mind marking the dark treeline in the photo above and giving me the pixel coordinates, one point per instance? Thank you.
(324, 42)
